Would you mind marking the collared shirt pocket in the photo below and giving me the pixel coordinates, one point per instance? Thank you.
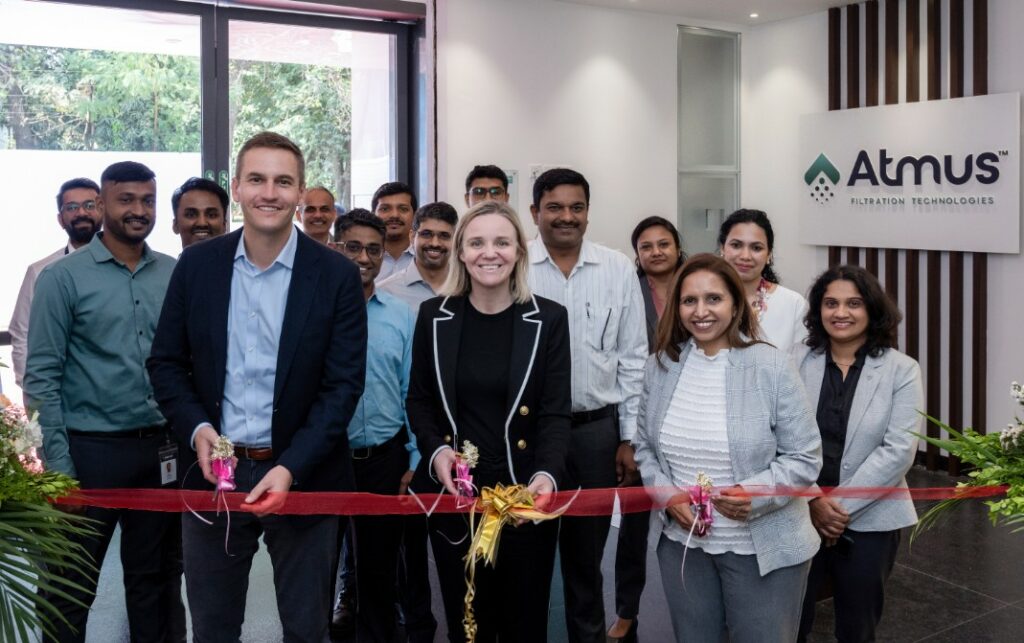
(602, 326)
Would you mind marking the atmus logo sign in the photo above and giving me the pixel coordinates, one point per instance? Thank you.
(936, 175)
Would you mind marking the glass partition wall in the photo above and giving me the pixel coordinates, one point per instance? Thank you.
(179, 86)
(709, 169)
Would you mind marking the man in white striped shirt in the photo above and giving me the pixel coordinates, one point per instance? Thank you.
(609, 347)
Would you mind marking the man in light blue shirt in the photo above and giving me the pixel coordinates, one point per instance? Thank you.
(262, 339)
(384, 453)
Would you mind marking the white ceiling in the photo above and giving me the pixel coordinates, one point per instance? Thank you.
(732, 11)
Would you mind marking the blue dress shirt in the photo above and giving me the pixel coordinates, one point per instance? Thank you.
(381, 410)
(255, 318)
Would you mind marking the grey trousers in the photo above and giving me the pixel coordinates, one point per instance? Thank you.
(725, 598)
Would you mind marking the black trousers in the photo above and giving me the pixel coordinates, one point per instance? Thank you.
(858, 571)
(631, 562)
(591, 464)
(414, 581)
(511, 602)
(150, 541)
(301, 550)
(377, 539)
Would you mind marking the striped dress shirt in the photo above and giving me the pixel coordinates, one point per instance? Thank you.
(607, 328)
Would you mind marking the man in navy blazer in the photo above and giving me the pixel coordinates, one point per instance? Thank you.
(262, 338)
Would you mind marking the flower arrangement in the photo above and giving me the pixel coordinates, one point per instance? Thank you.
(995, 459)
(35, 537)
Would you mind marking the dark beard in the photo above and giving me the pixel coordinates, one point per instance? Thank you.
(81, 236)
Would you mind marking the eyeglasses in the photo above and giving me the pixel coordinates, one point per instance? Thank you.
(493, 192)
(73, 207)
(427, 235)
(353, 249)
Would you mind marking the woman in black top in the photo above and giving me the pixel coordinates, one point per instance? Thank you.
(491, 366)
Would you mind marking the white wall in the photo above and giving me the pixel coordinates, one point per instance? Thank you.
(542, 82)
(784, 76)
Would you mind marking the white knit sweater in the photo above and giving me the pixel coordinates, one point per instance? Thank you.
(694, 439)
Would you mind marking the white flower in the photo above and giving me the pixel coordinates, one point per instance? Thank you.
(1017, 392)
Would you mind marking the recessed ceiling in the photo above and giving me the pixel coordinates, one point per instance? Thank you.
(732, 11)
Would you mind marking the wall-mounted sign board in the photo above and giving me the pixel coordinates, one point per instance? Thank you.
(935, 175)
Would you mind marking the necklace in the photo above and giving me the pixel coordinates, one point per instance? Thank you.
(838, 363)
(760, 303)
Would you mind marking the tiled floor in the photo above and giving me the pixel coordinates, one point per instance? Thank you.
(963, 581)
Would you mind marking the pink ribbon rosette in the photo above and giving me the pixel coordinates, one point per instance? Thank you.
(464, 461)
(700, 504)
(222, 462)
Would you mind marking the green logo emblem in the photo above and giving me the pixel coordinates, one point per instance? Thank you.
(820, 177)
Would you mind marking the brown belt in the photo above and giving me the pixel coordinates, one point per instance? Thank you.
(254, 453)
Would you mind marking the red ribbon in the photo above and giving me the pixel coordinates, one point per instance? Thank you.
(588, 502)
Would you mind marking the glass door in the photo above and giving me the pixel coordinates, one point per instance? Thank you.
(332, 91)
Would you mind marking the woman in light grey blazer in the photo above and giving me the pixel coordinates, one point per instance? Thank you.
(718, 401)
(867, 395)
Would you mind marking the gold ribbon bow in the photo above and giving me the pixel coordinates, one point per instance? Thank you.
(498, 506)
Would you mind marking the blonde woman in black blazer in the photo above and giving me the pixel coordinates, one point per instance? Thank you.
(867, 395)
(491, 366)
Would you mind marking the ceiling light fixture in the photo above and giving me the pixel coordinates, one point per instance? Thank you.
(753, 15)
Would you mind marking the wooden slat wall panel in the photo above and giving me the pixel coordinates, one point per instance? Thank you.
(852, 56)
(892, 52)
(853, 256)
(956, 259)
(979, 265)
(871, 260)
(835, 85)
(911, 312)
(956, 48)
(913, 47)
(834, 258)
(933, 376)
(933, 43)
(956, 349)
(835, 81)
(871, 53)
(925, 290)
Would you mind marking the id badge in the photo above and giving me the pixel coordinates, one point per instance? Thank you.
(168, 454)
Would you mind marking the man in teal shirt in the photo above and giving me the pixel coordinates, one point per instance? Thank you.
(92, 322)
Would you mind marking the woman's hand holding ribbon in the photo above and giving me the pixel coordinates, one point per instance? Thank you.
(444, 462)
(733, 503)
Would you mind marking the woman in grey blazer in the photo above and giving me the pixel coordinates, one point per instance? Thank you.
(720, 402)
(867, 395)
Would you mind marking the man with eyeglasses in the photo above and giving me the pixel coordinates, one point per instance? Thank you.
(395, 204)
(486, 183)
(316, 213)
(77, 214)
(432, 229)
(383, 448)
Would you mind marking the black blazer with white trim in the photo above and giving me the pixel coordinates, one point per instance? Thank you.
(538, 408)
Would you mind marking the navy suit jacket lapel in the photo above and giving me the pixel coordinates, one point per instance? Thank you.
(301, 291)
(219, 292)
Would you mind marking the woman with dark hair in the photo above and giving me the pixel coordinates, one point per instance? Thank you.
(746, 240)
(867, 395)
(720, 403)
(659, 254)
(491, 367)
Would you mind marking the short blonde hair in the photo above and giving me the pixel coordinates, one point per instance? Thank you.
(458, 283)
